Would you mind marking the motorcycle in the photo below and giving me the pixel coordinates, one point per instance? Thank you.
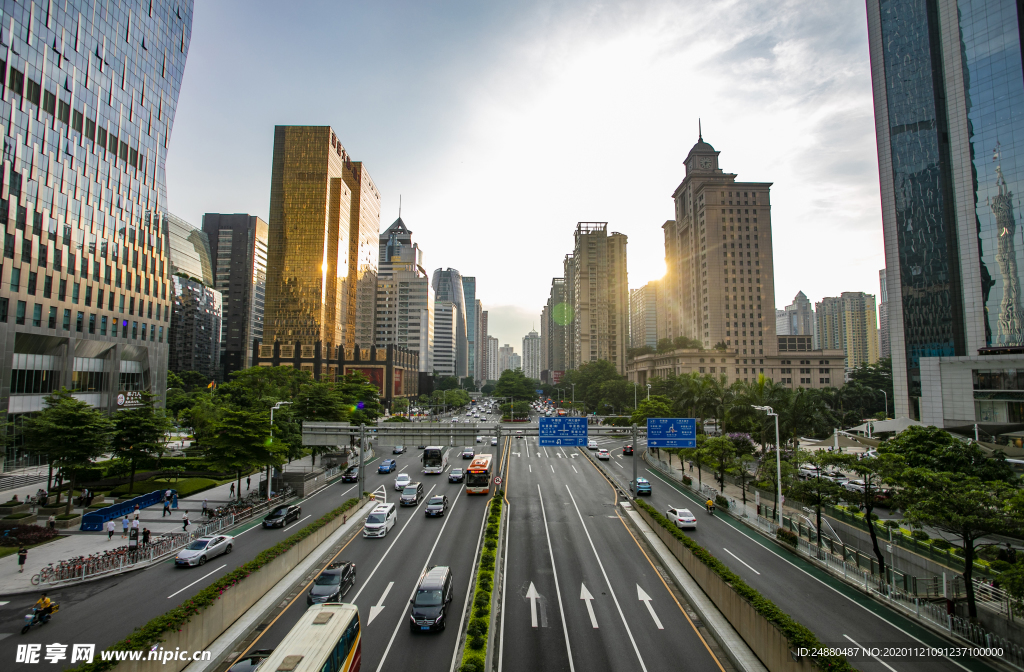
(36, 619)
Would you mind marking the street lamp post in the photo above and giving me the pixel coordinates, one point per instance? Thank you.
(886, 413)
(778, 461)
(648, 391)
(573, 398)
(272, 409)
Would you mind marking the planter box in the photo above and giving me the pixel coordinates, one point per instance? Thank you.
(14, 522)
(68, 523)
(17, 508)
(45, 511)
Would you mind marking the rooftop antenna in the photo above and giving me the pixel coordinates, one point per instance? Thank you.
(700, 133)
(399, 206)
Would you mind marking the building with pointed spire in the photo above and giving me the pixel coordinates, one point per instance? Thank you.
(405, 301)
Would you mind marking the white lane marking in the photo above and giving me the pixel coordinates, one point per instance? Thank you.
(538, 453)
(3, 603)
(393, 542)
(379, 607)
(646, 599)
(552, 468)
(738, 558)
(196, 581)
(532, 595)
(611, 590)
(531, 468)
(402, 619)
(296, 523)
(574, 469)
(554, 573)
(870, 654)
(236, 536)
(588, 598)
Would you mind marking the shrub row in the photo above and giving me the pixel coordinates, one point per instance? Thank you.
(152, 633)
(474, 652)
(798, 635)
(184, 486)
(27, 535)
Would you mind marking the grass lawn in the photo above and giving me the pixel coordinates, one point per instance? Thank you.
(11, 550)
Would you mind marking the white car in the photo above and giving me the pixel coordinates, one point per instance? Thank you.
(836, 477)
(591, 444)
(202, 549)
(603, 454)
(682, 518)
(402, 480)
(494, 440)
(479, 439)
(808, 471)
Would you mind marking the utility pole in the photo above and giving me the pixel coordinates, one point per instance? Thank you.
(362, 459)
(636, 436)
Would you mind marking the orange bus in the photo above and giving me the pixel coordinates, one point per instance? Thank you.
(478, 475)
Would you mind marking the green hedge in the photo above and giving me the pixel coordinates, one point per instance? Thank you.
(152, 633)
(798, 635)
(184, 486)
(474, 651)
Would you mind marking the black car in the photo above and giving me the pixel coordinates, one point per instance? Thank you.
(351, 475)
(627, 449)
(333, 583)
(251, 661)
(456, 475)
(398, 450)
(436, 505)
(421, 447)
(428, 610)
(282, 515)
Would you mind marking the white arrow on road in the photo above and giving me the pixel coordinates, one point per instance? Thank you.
(585, 595)
(379, 607)
(516, 454)
(532, 595)
(646, 599)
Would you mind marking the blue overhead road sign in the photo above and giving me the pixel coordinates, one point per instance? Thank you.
(563, 432)
(671, 433)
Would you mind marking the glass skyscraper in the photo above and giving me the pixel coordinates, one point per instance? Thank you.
(949, 109)
(89, 92)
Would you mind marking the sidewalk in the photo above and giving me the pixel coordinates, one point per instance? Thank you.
(78, 543)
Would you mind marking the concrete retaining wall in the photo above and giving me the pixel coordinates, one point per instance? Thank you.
(206, 626)
(765, 640)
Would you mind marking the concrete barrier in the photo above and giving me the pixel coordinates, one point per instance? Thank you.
(206, 626)
(93, 520)
(767, 642)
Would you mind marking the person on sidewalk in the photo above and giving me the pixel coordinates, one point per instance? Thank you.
(22, 557)
(110, 529)
(51, 522)
(135, 524)
(248, 482)
(232, 491)
(184, 522)
(206, 511)
(145, 536)
(137, 511)
(167, 496)
(124, 527)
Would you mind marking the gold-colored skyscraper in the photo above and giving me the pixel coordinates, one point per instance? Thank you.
(364, 234)
(308, 264)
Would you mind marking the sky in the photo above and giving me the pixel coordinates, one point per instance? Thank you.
(503, 124)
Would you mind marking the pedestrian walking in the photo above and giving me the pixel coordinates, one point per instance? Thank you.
(232, 491)
(51, 522)
(145, 536)
(22, 557)
(167, 508)
(110, 529)
(137, 512)
(184, 522)
(135, 524)
(206, 512)
(248, 482)
(167, 495)
(124, 527)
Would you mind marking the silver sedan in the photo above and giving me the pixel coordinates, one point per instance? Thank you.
(202, 549)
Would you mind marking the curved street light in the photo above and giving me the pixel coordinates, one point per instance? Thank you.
(778, 460)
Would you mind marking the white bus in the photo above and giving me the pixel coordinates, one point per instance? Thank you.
(326, 639)
(435, 459)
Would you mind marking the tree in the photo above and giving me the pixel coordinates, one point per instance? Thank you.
(260, 387)
(719, 453)
(684, 343)
(633, 353)
(513, 383)
(488, 389)
(588, 380)
(319, 401)
(655, 407)
(870, 470)
(70, 432)
(937, 450)
(400, 405)
(446, 383)
(767, 474)
(817, 491)
(665, 345)
(240, 442)
(138, 432)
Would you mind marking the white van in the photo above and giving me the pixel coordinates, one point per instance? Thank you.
(381, 519)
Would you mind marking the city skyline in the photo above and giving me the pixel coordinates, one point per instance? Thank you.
(780, 143)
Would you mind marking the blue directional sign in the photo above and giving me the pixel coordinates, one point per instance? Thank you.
(671, 433)
(563, 432)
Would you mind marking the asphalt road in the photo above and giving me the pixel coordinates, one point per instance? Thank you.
(388, 569)
(837, 614)
(568, 547)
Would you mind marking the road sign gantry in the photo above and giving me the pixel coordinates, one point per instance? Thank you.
(562, 432)
(671, 432)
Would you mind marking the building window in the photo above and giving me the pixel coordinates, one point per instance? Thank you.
(15, 279)
(67, 319)
(75, 287)
(37, 315)
(103, 325)
(135, 330)
(32, 282)
(161, 337)
(19, 315)
(51, 321)
(80, 322)
(62, 289)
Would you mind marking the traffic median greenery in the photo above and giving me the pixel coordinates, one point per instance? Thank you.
(799, 636)
(153, 632)
(474, 651)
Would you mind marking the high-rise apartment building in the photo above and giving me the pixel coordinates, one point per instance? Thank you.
(405, 300)
(847, 323)
(720, 282)
(531, 355)
(448, 288)
(445, 354)
(363, 250)
(554, 318)
(600, 301)
(89, 103)
(883, 318)
(643, 316)
(569, 289)
(947, 80)
(515, 361)
(493, 360)
(505, 355)
(797, 319)
(193, 339)
(238, 249)
(482, 354)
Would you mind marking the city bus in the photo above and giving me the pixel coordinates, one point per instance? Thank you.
(435, 459)
(561, 412)
(478, 475)
(326, 639)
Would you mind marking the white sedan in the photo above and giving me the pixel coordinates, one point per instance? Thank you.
(592, 443)
(479, 439)
(402, 480)
(603, 454)
(202, 549)
(682, 518)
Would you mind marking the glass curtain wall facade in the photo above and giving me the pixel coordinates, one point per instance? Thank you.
(364, 234)
(195, 331)
(448, 288)
(89, 92)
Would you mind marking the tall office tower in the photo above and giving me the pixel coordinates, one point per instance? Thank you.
(469, 302)
(721, 256)
(555, 317)
(445, 354)
(781, 323)
(569, 292)
(308, 252)
(493, 360)
(847, 323)
(482, 349)
(947, 80)
(238, 246)
(531, 355)
(505, 354)
(883, 318)
(479, 348)
(799, 317)
(643, 316)
(85, 267)
(405, 301)
(600, 324)
(193, 339)
(363, 250)
(448, 287)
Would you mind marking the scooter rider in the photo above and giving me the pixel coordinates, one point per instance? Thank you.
(710, 506)
(43, 607)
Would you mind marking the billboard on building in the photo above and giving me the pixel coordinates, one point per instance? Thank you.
(374, 374)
